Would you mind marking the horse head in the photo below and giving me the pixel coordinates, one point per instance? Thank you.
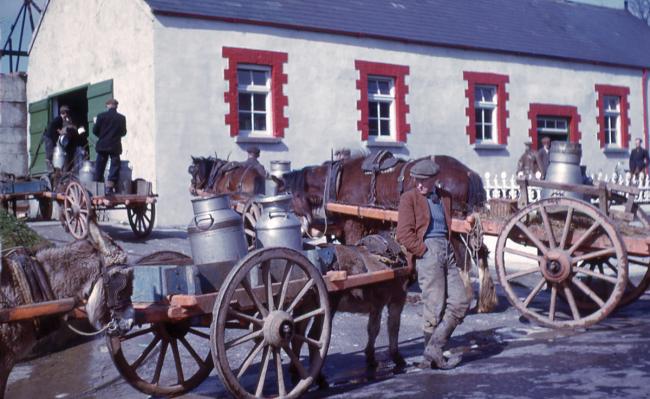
(200, 169)
(307, 187)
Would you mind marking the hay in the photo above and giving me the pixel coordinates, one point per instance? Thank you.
(14, 233)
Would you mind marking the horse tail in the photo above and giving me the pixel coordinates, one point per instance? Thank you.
(476, 196)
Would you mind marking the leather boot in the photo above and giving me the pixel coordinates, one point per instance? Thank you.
(425, 364)
(433, 351)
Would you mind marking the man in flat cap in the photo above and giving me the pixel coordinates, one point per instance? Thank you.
(51, 135)
(252, 162)
(424, 229)
(110, 127)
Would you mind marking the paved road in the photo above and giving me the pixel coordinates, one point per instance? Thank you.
(504, 356)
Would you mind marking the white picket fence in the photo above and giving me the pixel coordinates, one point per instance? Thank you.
(502, 185)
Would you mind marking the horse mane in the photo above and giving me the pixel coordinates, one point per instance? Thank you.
(294, 181)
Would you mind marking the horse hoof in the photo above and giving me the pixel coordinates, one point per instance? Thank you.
(371, 363)
(399, 361)
(322, 382)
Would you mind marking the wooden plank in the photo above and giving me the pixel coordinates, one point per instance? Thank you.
(359, 280)
(31, 311)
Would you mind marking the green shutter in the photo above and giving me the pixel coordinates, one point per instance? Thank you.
(97, 95)
(39, 118)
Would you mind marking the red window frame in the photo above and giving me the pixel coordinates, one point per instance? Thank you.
(566, 111)
(398, 73)
(279, 100)
(616, 91)
(480, 78)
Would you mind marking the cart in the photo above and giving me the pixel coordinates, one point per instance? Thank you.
(13, 190)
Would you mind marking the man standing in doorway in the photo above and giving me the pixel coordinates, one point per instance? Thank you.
(110, 127)
(53, 132)
(638, 159)
(544, 155)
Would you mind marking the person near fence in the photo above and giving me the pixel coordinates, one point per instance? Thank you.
(638, 159)
(544, 155)
(528, 163)
(424, 229)
(110, 127)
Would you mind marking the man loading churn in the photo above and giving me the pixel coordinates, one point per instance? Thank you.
(110, 127)
(424, 229)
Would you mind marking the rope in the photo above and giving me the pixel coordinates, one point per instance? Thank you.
(83, 333)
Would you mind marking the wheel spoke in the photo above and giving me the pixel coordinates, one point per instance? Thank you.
(268, 282)
(301, 295)
(262, 377)
(534, 292)
(600, 276)
(572, 302)
(247, 287)
(282, 390)
(309, 315)
(551, 309)
(296, 362)
(584, 237)
(595, 254)
(136, 334)
(522, 254)
(145, 353)
(565, 230)
(192, 352)
(547, 227)
(308, 341)
(285, 283)
(177, 362)
(159, 363)
(249, 358)
(245, 317)
(199, 333)
(583, 287)
(522, 273)
(244, 338)
(532, 237)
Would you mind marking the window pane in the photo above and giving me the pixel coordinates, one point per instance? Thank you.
(259, 102)
(259, 78)
(479, 115)
(372, 127)
(372, 86)
(384, 87)
(244, 121)
(611, 103)
(487, 132)
(260, 121)
(384, 110)
(243, 77)
(385, 127)
(244, 101)
(372, 109)
(479, 131)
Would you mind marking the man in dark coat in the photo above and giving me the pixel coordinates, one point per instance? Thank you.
(424, 229)
(544, 155)
(253, 163)
(110, 127)
(53, 132)
(638, 159)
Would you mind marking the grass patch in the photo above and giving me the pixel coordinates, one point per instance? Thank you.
(14, 233)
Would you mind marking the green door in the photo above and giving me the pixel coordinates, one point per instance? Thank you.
(98, 93)
(39, 118)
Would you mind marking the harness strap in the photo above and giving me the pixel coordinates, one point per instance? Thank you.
(400, 179)
(241, 178)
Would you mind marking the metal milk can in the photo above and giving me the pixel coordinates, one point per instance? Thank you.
(278, 168)
(564, 167)
(87, 172)
(123, 179)
(277, 225)
(216, 232)
(58, 156)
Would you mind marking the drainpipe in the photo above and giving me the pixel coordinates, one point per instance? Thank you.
(645, 109)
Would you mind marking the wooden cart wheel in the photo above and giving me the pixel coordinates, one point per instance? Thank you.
(141, 218)
(251, 214)
(163, 359)
(548, 245)
(77, 210)
(258, 330)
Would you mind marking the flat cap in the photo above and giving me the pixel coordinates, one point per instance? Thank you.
(253, 150)
(111, 101)
(64, 108)
(424, 169)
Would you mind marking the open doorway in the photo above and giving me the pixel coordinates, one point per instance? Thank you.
(77, 101)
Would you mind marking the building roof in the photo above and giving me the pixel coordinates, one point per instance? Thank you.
(545, 28)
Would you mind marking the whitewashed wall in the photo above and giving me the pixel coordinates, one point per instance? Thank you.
(83, 42)
(322, 112)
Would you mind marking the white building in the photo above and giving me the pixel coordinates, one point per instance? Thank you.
(474, 79)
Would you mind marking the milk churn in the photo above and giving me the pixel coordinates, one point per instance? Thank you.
(124, 178)
(216, 232)
(564, 167)
(277, 225)
(87, 172)
(58, 156)
(278, 168)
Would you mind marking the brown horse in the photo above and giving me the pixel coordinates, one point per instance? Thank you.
(354, 187)
(212, 175)
(74, 270)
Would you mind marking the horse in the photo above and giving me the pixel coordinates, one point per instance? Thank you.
(309, 187)
(76, 270)
(212, 175)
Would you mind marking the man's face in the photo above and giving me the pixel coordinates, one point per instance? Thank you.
(638, 143)
(546, 143)
(424, 186)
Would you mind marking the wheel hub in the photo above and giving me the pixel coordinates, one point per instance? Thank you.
(556, 266)
(278, 328)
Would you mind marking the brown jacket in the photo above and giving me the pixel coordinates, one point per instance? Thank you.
(413, 220)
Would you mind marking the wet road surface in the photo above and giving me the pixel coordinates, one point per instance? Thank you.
(503, 355)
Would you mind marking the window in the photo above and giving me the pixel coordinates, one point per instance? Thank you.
(382, 102)
(254, 89)
(381, 105)
(613, 121)
(255, 92)
(559, 122)
(486, 107)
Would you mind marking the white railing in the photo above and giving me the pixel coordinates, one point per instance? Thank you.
(502, 185)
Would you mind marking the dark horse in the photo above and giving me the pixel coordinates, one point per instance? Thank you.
(353, 186)
(211, 175)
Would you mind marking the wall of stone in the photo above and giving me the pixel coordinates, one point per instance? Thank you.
(13, 124)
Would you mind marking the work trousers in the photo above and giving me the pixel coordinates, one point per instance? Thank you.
(113, 171)
(443, 291)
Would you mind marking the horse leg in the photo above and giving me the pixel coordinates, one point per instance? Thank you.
(374, 323)
(487, 294)
(395, 307)
(6, 364)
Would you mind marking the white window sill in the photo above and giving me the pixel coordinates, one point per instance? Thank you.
(384, 144)
(258, 139)
(615, 150)
(490, 147)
